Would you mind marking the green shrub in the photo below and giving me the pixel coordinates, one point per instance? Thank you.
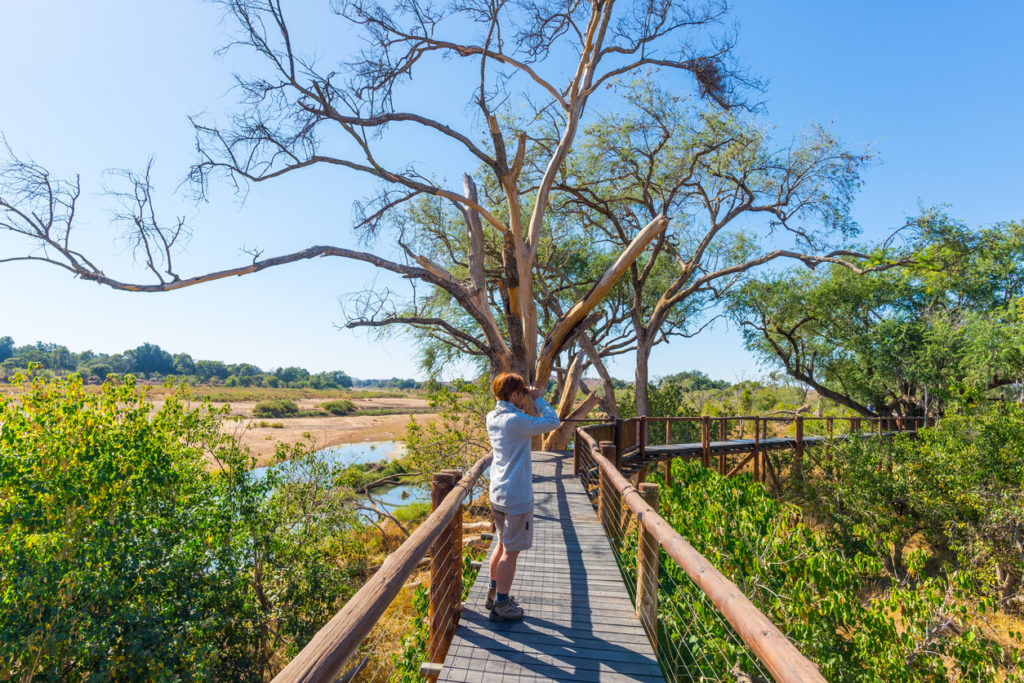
(802, 581)
(279, 407)
(341, 407)
(360, 474)
(122, 557)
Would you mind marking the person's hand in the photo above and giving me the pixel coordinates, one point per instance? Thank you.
(534, 393)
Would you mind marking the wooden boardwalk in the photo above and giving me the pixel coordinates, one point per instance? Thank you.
(580, 624)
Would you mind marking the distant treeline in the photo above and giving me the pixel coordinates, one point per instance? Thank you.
(149, 361)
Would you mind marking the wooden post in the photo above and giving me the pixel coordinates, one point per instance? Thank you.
(798, 464)
(455, 569)
(605, 507)
(829, 424)
(441, 610)
(577, 444)
(758, 465)
(723, 435)
(643, 437)
(705, 441)
(618, 441)
(854, 425)
(668, 431)
(647, 571)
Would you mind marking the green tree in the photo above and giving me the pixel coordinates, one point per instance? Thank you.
(207, 370)
(292, 375)
(150, 358)
(739, 201)
(183, 364)
(959, 484)
(6, 348)
(902, 341)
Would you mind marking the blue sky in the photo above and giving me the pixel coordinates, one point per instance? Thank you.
(934, 89)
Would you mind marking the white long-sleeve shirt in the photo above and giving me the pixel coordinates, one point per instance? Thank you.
(510, 430)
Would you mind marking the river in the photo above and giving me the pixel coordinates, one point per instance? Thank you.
(373, 451)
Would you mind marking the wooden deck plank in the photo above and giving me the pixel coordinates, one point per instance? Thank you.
(580, 624)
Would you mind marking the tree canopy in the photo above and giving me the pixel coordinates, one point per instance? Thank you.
(905, 340)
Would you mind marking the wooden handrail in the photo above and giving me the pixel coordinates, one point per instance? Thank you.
(782, 659)
(324, 656)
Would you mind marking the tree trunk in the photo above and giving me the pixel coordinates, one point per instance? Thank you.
(559, 438)
(643, 355)
(570, 387)
(608, 401)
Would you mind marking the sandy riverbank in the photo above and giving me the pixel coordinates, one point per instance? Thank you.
(324, 431)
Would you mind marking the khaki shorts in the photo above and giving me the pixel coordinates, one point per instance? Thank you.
(515, 532)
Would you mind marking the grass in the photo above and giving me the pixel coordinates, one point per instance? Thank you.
(412, 511)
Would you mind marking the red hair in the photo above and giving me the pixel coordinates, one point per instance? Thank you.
(506, 384)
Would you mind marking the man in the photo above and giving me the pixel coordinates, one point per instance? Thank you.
(510, 429)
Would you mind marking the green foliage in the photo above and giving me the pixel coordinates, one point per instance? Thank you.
(149, 360)
(122, 556)
(280, 407)
(341, 407)
(923, 630)
(360, 474)
(414, 645)
(111, 535)
(896, 340)
(412, 511)
(458, 438)
(960, 485)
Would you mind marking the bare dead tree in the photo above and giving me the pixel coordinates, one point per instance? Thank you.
(538, 66)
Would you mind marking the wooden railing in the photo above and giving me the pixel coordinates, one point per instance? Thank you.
(615, 495)
(603, 451)
(324, 657)
(633, 436)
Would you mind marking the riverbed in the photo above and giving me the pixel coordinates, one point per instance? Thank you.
(345, 455)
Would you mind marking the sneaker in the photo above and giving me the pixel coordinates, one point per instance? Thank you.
(506, 611)
(491, 593)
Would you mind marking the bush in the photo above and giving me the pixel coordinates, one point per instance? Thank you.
(341, 407)
(826, 600)
(279, 407)
(123, 558)
(116, 554)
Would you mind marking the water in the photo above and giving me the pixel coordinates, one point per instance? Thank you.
(362, 453)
